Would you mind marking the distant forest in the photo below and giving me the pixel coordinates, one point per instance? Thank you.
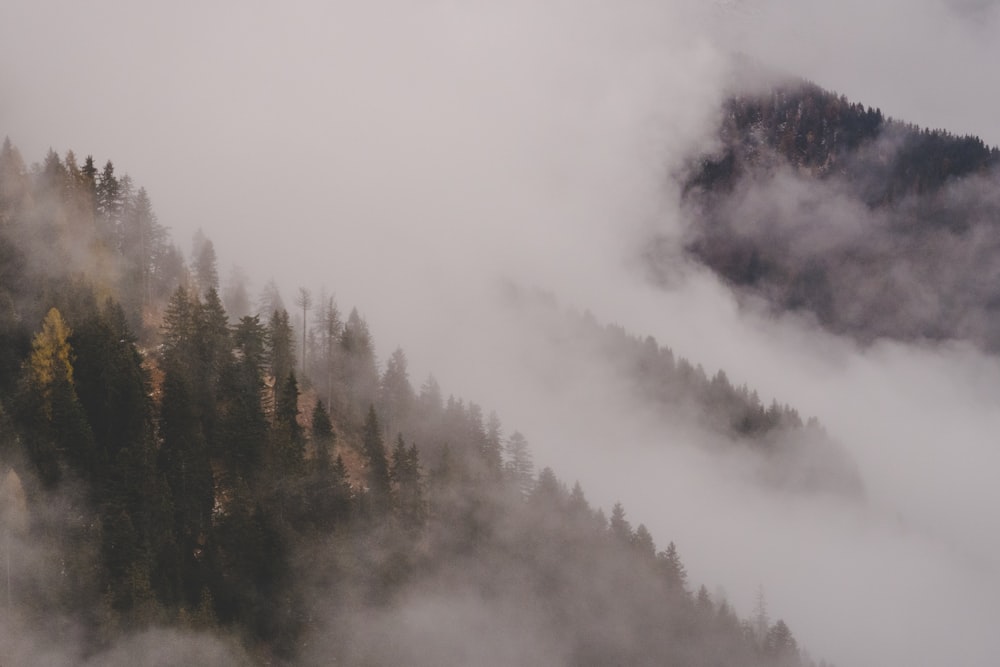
(178, 457)
(875, 227)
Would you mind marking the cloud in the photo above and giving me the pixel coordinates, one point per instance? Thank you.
(410, 156)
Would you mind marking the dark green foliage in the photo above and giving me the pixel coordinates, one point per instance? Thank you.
(280, 350)
(378, 492)
(242, 429)
(323, 436)
(186, 468)
(288, 436)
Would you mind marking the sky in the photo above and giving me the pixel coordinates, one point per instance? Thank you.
(410, 157)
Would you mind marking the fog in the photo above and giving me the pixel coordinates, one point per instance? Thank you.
(412, 158)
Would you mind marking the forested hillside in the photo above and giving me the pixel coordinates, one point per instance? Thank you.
(176, 460)
(875, 227)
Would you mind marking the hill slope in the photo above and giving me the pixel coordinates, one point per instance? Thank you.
(875, 227)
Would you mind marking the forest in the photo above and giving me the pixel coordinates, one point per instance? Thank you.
(874, 227)
(183, 458)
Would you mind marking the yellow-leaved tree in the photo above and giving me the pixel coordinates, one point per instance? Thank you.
(51, 359)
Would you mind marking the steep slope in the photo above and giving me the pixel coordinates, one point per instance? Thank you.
(171, 474)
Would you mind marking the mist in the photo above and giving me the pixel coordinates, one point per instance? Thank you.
(413, 159)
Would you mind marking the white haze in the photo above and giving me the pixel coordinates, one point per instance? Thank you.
(410, 156)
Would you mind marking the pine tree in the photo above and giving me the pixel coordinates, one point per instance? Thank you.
(280, 350)
(493, 446)
(360, 369)
(672, 570)
(621, 529)
(395, 393)
(323, 437)
(289, 438)
(520, 468)
(327, 329)
(206, 272)
(242, 430)
(378, 467)
(643, 543)
(405, 475)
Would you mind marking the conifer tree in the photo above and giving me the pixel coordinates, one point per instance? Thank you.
(405, 475)
(621, 529)
(323, 436)
(378, 467)
(289, 438)
(672, 569)
(395, 393)
(280, 350)
(360, 370)
(520, 468)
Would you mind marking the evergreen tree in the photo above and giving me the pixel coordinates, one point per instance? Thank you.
(378, 467)
(395, 393)
(672, 569)
(280, 350)
(242, 430)
(360, 369)
(780, 645)
(184, 463)
(621, 529)
(109, 201)
(289, 438)
(520, 468)
(327, 330)
(323, 437)
(642, 540)
(405, 475)
(206, 272)
(235, 297)
(493, 446)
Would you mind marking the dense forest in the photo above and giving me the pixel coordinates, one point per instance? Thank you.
(874, 227)
(176, 458)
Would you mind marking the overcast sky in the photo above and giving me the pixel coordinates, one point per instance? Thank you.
(409, 155)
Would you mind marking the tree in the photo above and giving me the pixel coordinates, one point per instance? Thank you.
(328, 330)
(206, 273)
(323, 436)
(672, 570)
(780, 645)
(270, 299)
(109, 201)
(184, 463)
(621, 529)
(304, 301)
(493, 446)
(360, 370)
(643, 543)
(395, 393)
(405, 475)
(235, 296)
(289, 438)
(760, 621)
(242, 429)
(280, 350)
(378, 467)
(56, 426)
(520, 468)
